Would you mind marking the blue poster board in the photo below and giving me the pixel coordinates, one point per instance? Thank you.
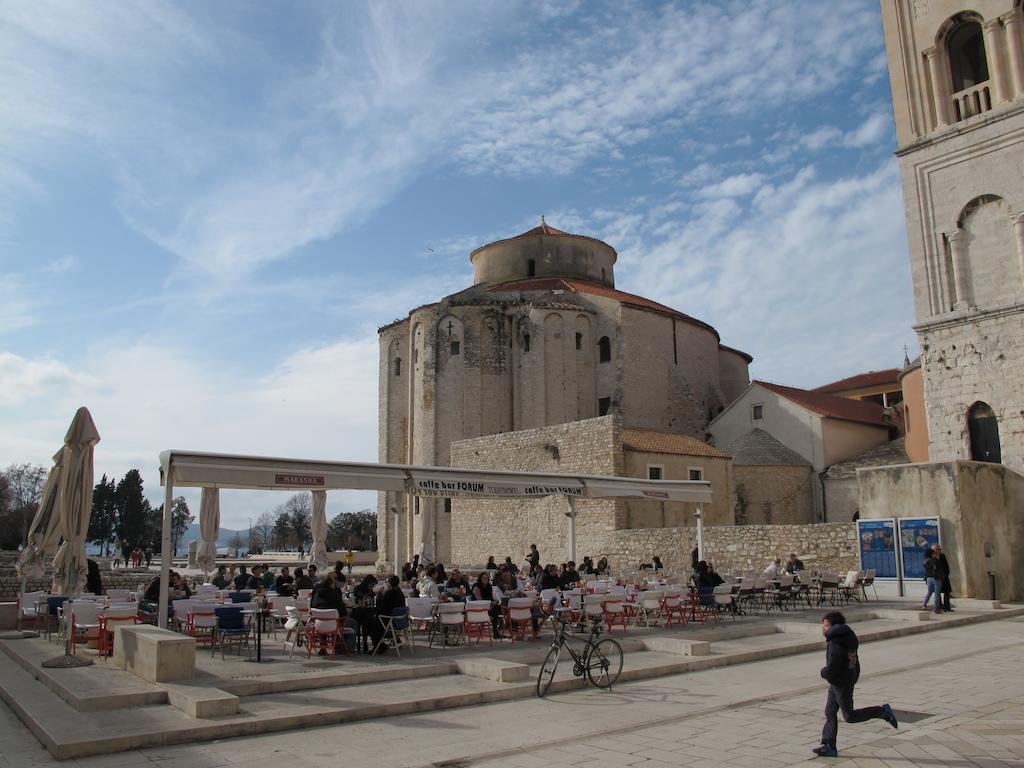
(917, 534)
(877, 541)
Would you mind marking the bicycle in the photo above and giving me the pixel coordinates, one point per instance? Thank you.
(599, 661)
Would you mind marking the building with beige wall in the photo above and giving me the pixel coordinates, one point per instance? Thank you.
(915, 422)
(601, 446)
(957, 76)
(773, 484)
(823, 429)
(882, 387)
(542, 337)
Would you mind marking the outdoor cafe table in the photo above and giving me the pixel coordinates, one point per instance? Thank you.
(260, 614)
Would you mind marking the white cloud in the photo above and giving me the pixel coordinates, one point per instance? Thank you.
(19, 308)
(739, 185)
(22, 379)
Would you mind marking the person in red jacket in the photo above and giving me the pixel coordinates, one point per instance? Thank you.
(841, 671)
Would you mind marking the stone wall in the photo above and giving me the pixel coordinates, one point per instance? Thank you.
(122, 578)
(773, 495)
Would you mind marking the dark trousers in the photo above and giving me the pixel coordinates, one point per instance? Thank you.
(840, 698)
(947, 593)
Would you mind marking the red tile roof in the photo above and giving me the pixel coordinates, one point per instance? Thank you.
(862, 380)
(543, 229)
(650, 441)
(830, 406)
(594, 289)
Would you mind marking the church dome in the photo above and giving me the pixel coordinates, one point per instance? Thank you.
(544, 252)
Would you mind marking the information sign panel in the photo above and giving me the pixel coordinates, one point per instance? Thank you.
(877, 540)
(917, 534)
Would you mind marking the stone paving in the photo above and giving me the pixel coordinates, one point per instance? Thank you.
(962, 687)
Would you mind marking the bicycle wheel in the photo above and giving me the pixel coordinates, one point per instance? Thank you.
(604, 663)
(547, 670)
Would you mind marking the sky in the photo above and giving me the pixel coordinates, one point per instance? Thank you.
(207, 210)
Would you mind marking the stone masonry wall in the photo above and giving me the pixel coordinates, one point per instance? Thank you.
(773, 495)
(122, 578)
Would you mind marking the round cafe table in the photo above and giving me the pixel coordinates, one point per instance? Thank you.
(260, 614)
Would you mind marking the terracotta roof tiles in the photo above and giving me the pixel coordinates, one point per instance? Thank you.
(861, 380)
(651, 441)
(830, 406)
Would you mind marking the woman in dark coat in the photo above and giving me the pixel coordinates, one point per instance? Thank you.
(93, 583)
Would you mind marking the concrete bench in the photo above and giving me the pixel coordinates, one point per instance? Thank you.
(678, 645)
(494, 669)
(154, 654)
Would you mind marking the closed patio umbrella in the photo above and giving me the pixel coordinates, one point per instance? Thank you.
(75, 503)
(209, 529)
(44, 532)
(318, 552)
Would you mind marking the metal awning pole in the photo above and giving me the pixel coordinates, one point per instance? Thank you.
(700, 531)
(572, 527)
(165, 549)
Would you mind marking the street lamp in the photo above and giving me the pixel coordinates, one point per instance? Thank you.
(248, 548)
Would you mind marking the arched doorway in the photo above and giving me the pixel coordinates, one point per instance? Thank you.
(984, 432)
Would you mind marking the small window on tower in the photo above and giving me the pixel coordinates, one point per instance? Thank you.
(526, 342)
(757, 412)
(604, 347)
(455, 347)
(398, 366)
(531, 267)
(696, 473)
(579, 341)
(604, 405)
(655, 471)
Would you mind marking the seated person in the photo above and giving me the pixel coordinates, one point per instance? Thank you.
(457, 581)
(774, 568)
(243, 580)
(441, 576)
(509, 565)
(408, 574)
(602, 568)
(302, 581)
(483, 590)
(713, 576)
(267, 577)
(364, 591)
(285, 583)
(794, 564)
(220, 579)
(311, 571)
(179, 587)
(427, 586)
(550, 579)
(506, 585)
(657, 564)
(587, 565)
(570, 577)
(339, 572)
(491, 565)
(389, 599)
(327, 595)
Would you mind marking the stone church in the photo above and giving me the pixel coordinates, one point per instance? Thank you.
(541, 338)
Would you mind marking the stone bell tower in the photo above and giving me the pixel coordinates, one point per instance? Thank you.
(957, 75)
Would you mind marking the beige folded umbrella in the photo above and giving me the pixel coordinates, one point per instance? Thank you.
(209, 530)
(318, 552)
(44, 532)
(75, 503)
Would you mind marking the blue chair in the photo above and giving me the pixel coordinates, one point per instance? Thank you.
(231, 628)
(240, 597)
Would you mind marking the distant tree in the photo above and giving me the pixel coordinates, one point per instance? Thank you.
(236, 543)
(263, 531)
(299, 508)
(357, 530)
(134, 515)
(24, 489)
(181, 517)
(282, 533)
(103, 517)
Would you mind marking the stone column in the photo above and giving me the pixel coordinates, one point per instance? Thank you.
(956, 247)
(1016, 46)
(1018, 228)
(939, 89)
(996, 60)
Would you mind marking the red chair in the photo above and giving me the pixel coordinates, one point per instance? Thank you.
(672, 607)
(478, 621)
(519, 617)
(324, 631)
(201, 622)
(85, 623)
(614, 611)
(112, 618)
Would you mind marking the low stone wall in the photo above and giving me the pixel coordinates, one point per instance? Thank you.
(122, 578)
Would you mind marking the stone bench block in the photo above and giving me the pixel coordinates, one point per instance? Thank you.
(678, 645)
(494, 669)
(202, 702)
(154, 654)
(9, 616)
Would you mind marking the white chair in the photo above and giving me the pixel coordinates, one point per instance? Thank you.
(478, 620)
(519, 616)
(723, 599)
(421, 613)
(202, 622)
(550, 598)
(207, 589)
(27, 602)
(614, 611)
(179, 612)
(119, 595)
(277, 614)
(85, 623)
(593, 606)
(294, 627)
(648, 608)
(450, 618)
(324, 630)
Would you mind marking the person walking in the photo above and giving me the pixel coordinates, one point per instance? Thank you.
(942, 575)
(931, 564)
(350, 558)
(841, 671)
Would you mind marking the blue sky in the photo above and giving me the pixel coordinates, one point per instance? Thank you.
(207, 209)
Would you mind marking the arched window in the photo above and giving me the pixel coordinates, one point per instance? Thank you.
(398, 366)
(604, 347)
(531, 267)
(965, 47)
(984, 433)
(579, 340)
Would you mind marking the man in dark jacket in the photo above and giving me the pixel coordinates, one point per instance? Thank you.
(841, 671)
(942, 576)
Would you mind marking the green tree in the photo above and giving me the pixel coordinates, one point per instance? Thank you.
(103, 517)
(282, 533)
(133, 513)
(181, 517)
(299, 509)
(357, 530)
